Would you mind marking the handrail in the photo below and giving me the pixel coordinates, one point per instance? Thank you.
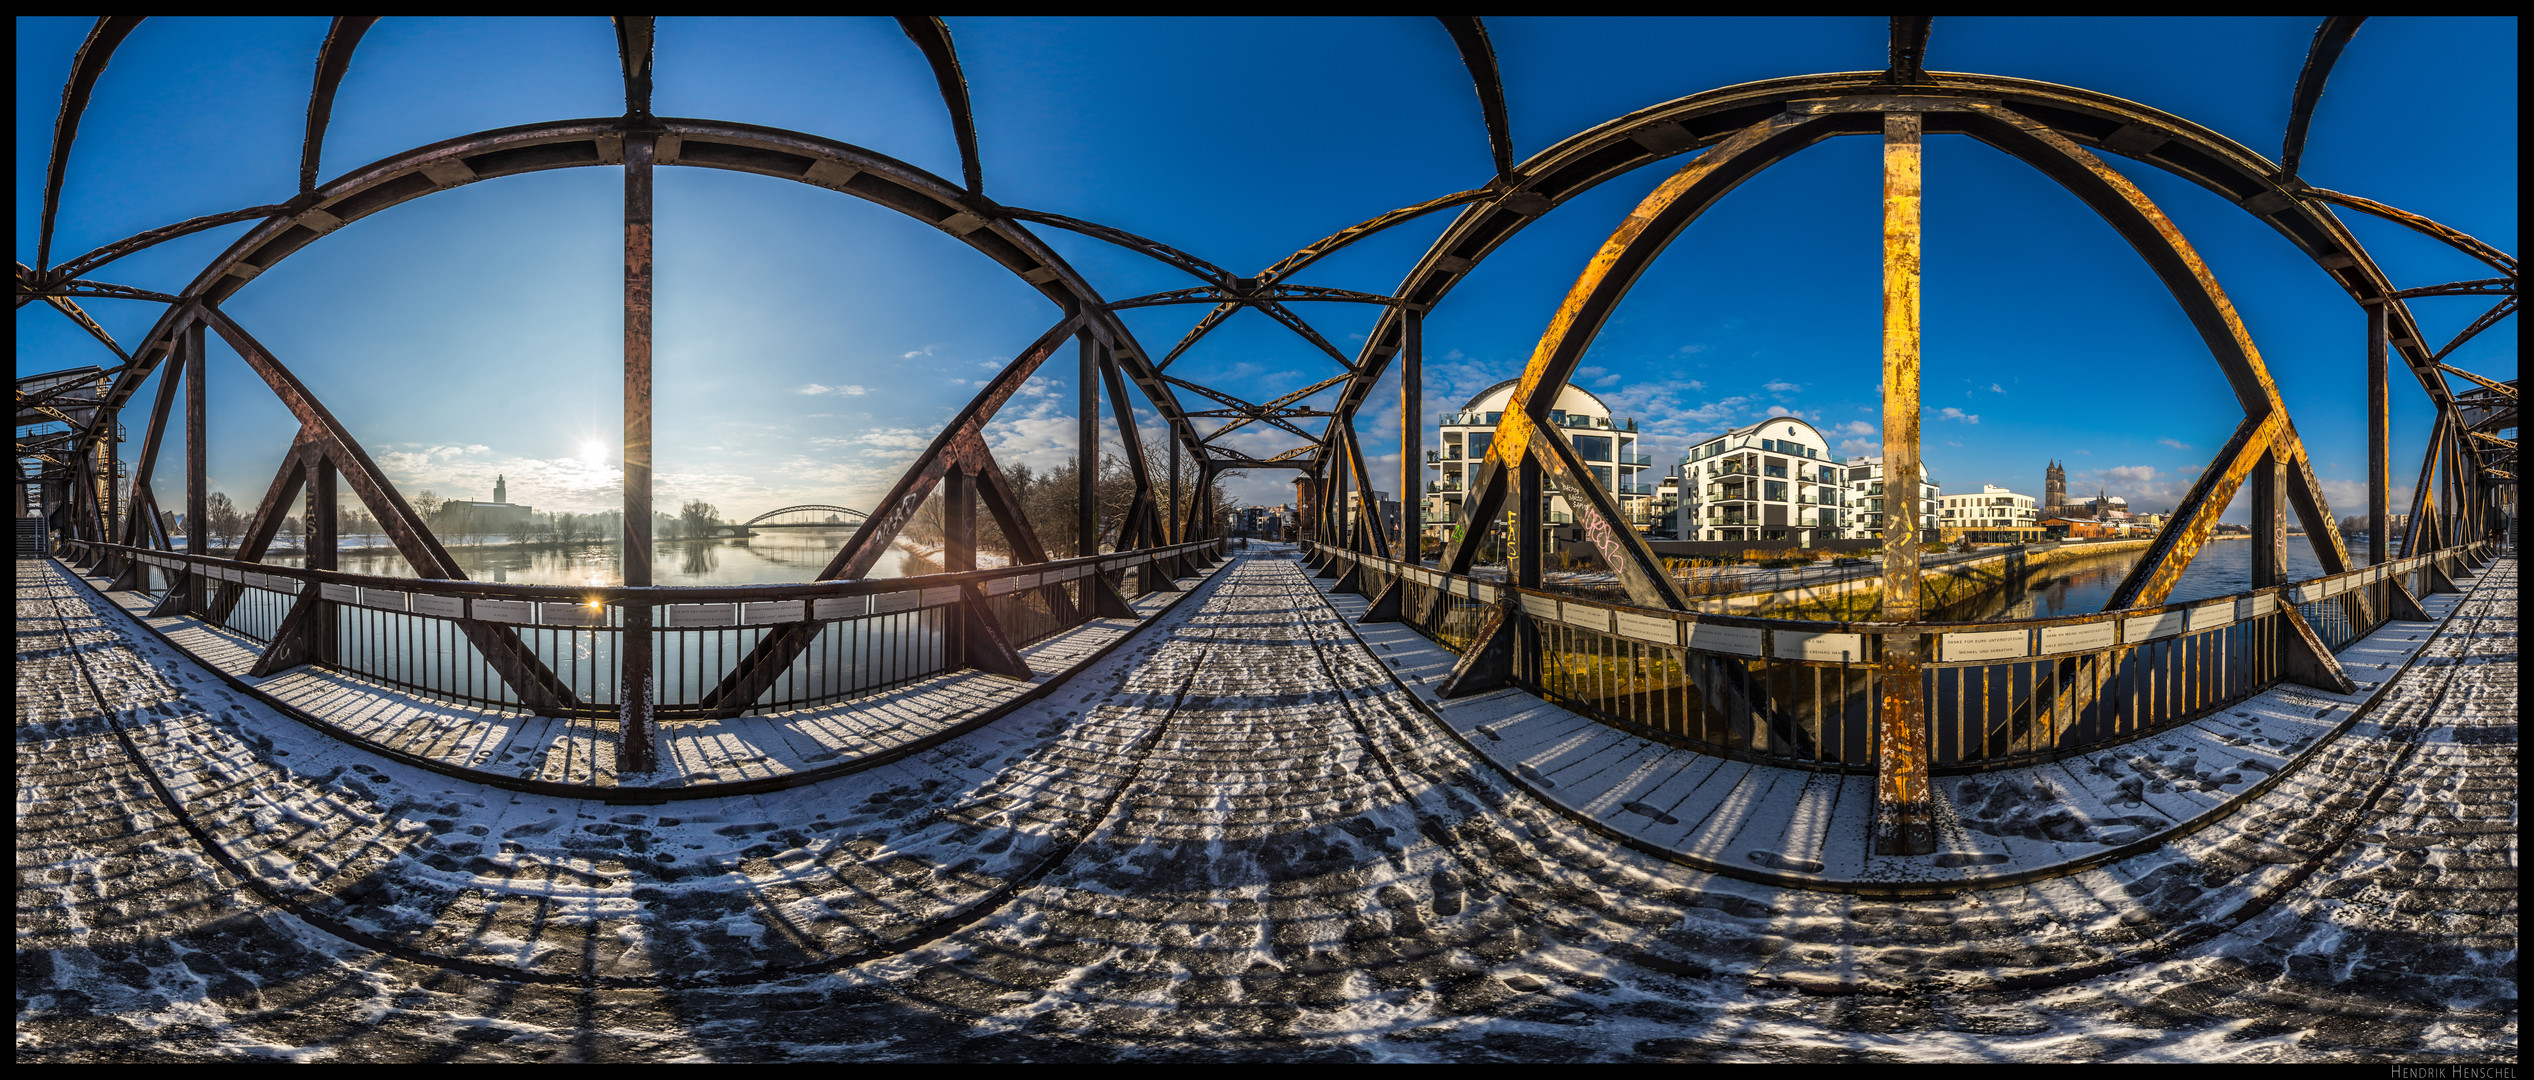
(619, 595)
(2306, 591)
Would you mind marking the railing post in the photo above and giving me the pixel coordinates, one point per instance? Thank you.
(2379, 438)
(1412, 436)
(2269, 521)
(635, 705)
(197, 418)
(1904, 798)
(324, 544)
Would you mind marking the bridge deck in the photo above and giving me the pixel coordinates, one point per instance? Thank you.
(1241, 838)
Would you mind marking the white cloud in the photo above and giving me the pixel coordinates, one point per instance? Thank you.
(847, 390)
(1853, 427)
(1996, 389)
(1951, 413)
(1694, 348)
(2175, 443)
(1861, 447)
(1782, 387)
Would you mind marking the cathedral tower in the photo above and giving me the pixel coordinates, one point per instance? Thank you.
(2054, 490)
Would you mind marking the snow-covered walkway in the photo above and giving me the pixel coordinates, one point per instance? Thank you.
(1182, 854)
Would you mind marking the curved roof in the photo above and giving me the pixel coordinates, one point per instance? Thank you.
(1482, 395)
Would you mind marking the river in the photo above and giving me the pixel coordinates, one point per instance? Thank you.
(2223, 567)
(790, 555)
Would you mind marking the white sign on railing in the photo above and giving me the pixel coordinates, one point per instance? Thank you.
(504, 611)
(445, 607)
(2150, 627)
(2209, 616)
(1738, 640)
(1586, 617)
(940, 595)
(841, 607)
(341, 594)
(1833, 647)
(769, 612)
(887, 602)
(1539, 607)
(2256, 605)
(1984, 645)
(384, 599)
(702, 615)
(567, 613)
(2080, 637)
(1657, 629)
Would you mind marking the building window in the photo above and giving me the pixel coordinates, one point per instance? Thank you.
(1593, 448)
(1777, 491)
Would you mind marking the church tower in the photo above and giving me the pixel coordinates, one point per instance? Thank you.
(501, 489)
(2054, 490)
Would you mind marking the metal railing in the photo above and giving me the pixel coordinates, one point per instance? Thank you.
(439, 639)
(1998, 694)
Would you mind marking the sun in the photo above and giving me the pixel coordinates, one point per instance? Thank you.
(593, 451)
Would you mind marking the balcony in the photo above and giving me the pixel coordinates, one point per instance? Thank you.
(1437, 456)
(1443, 487)
(1638, 460)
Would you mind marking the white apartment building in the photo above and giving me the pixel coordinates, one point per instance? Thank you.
(1774, 480)
(1995, 515)
(1864, 479)
(1608, 447)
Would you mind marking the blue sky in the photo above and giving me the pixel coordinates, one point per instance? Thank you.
(810, 343)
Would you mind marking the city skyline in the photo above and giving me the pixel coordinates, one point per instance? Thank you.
(810, 344)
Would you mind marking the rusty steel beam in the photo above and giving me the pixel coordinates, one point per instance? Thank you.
(633, 58)
(101, 290)
(84, 264)
(2329, 39)
(334, 59)
(2269, 521)
(1412, 440)
(1904, 820)
(1246, 409)
(636, 703)
(1154, 249)
(2488, 319)
(1479, 55)
(2195, 517)
(1908, 50)
(2379, 439)
(1376, 537)
(2422, 536)
(1336, 241)
(2497, 286)
(1218, 294)
(932, 35)
(2451, 237)
(85, 66)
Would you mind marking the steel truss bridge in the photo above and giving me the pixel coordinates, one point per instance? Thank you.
(1712, 141)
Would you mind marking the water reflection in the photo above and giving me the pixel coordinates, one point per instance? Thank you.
(2223, 568)
(791, 555)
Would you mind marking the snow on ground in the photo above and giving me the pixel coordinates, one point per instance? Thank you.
(1234, 838)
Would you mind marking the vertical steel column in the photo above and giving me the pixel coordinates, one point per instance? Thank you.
(1412, 436)
(2379, 438)
(197, 493)
(1086, 491)
(1528, 532)
(958, 520)
(1904, 799)
(633, 733)
(322, 544)
(2269, 521)
(112, 421)
(1172, 537)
